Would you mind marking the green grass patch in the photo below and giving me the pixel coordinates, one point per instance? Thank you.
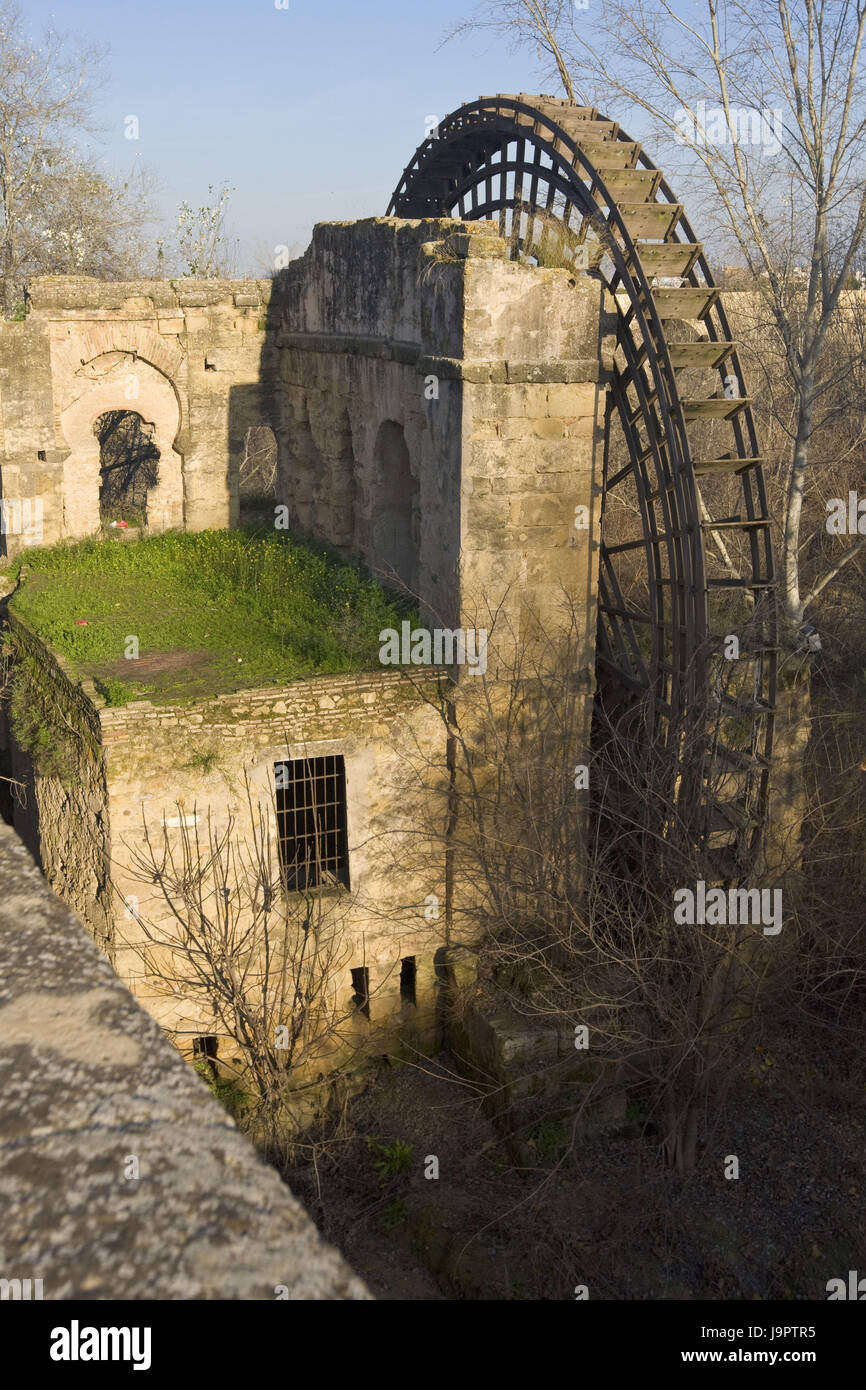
(211, 612)
(115, 692)
(395, 1158)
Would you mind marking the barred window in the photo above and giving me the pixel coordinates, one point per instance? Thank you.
(311, 822)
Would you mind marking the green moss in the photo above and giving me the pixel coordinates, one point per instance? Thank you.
(395, 1158)
(41, 726)
(204, 760)
(228, 1091)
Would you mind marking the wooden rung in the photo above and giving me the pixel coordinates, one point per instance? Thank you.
(729, 464)
(702, 354)
(716, 408)
(586, 128)
(650, 219)
(668, 257)
(733, 523)
(732, 583)
(689, 302)
(559, 105)
(610, 154)
(635, 185)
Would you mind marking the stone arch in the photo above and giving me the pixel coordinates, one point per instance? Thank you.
(396, 511)
(306, 472)
(119, 381)
(344, 488)
(89, 343)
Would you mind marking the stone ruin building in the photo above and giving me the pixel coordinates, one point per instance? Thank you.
(460, 392)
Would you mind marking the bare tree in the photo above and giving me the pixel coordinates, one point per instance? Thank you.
(259, 966)
(569, 868)
(762, 104)
(257, 474)
(58, 212)
(203, 246)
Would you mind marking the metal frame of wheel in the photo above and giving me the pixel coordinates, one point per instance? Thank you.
(552, 172)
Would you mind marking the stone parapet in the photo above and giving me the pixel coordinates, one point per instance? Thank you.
(120, 1176)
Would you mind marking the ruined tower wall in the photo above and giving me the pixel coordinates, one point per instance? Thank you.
(441, 414)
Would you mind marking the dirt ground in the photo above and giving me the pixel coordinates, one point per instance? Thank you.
(605, 1214)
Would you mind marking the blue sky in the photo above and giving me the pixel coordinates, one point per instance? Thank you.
(309, 113)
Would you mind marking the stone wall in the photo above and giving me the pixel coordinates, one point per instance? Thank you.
(189, 356)
(442, 415)
(56, 759)
(121, 1177)
(196, 762)
(439, 413)
(164, 770)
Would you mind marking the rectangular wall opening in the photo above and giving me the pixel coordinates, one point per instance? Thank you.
(407, 980)
(361, 987)
(311, 822)
(204, 1051)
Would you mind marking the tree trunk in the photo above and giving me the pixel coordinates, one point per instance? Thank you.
(793, 606)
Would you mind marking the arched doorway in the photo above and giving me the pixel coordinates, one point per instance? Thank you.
(128, 466)
(119, 384)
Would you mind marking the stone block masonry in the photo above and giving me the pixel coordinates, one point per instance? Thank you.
(120, 1176)
(442, 413)
(439, 414)
(191, 357)
(210, 763)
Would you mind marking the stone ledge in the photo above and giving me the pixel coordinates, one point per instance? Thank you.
(88, 1080)
(58, 296)
(486, 371)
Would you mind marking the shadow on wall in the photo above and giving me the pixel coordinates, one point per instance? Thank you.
(362, 501)
(396, 519)
(128, 466)
(253, 423)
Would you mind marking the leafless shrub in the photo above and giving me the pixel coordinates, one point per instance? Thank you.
(255, 965)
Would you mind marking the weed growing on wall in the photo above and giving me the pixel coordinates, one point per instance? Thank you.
(39, 725)
(115, 692)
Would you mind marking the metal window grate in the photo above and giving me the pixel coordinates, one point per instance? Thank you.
(311, 822)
